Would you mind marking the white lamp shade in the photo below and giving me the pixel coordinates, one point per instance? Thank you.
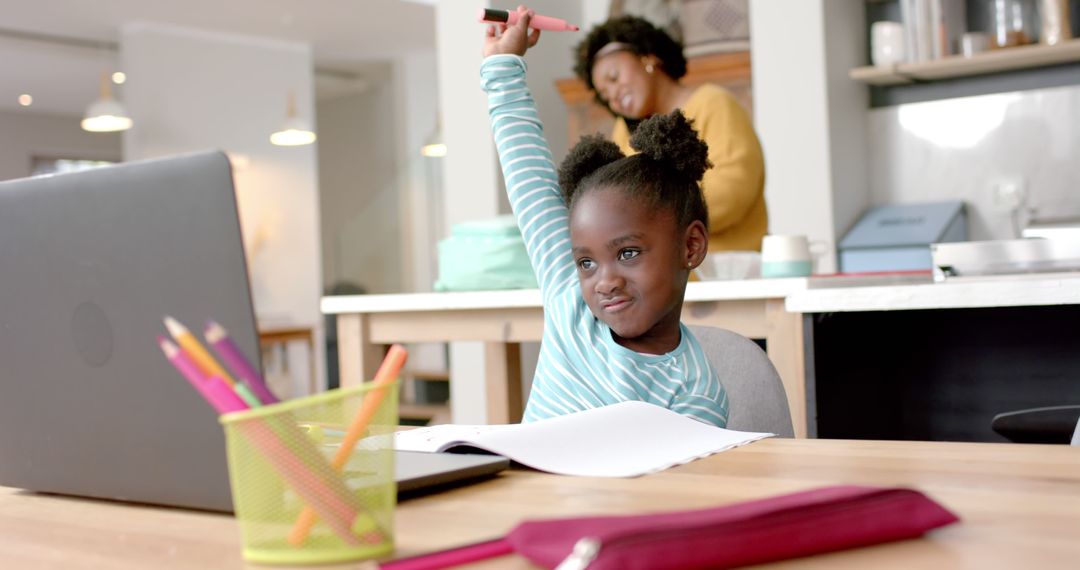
(294, 132)
(435, 147)
(106, 115)
(434, 150)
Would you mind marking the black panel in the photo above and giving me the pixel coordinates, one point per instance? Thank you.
(941, 375)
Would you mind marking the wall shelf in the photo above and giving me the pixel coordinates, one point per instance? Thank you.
(994, 61)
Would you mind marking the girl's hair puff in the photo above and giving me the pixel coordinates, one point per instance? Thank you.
(665, 174)
(588, 156)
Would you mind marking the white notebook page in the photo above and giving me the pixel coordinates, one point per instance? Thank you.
(621, 440)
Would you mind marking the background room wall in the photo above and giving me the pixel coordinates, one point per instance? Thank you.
(972, 148)
(25, 136)
(191, 90)
(551, 59)
(810, 116)
(360, 189)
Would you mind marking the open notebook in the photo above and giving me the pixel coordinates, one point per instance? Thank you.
(621, 440)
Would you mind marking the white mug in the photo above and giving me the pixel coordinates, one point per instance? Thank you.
(785, 256)
(886, 43)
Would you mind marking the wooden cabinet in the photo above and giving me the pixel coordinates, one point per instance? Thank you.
(729, 70)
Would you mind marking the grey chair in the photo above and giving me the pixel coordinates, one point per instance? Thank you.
(1054, 424)
(756, 397)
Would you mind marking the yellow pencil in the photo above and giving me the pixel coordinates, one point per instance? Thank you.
(388, 372)
(195, 350)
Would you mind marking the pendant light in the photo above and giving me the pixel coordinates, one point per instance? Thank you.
(295, 131)
(434, 145)
(106, 115)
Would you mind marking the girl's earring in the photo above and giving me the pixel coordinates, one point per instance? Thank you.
(648, 68)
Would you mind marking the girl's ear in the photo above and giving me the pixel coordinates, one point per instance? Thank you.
(697, 244)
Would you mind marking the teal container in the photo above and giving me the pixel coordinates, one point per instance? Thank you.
(785, 269)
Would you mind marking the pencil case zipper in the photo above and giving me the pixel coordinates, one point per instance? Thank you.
(587, 550)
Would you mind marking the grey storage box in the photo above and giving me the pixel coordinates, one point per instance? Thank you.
(898, 237)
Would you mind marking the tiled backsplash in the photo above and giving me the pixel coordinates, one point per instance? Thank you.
(969, 148)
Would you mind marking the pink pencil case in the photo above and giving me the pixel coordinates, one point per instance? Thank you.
(754, 532)
(777, 528)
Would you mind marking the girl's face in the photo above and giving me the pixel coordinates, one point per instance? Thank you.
(632, 264)
(620, 79)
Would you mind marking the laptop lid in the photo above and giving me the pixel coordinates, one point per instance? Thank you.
(90, 262)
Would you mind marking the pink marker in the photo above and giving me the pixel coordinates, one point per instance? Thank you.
(538, 22)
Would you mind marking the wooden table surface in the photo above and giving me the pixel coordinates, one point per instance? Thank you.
(1019, 505)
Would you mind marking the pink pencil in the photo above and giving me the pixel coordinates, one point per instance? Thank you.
(186, 366)
(218, 337)
(306, 483)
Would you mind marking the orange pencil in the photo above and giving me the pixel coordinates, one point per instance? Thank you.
(387, 373)
(195, 350)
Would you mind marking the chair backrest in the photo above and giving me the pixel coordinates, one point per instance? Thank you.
(756, 397)
(1051, 424)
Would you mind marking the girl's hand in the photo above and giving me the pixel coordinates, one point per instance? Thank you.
(514, 39)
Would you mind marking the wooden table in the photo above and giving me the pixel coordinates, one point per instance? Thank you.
(1019, 505)
(504, 319)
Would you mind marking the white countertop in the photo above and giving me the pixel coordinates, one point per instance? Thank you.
(697, 291)
(960, 293)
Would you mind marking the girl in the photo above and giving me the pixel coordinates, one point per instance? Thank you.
(613, 240)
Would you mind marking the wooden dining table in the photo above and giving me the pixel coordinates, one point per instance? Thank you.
(1019, 507)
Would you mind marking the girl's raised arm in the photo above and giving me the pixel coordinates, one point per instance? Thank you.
(530, 175)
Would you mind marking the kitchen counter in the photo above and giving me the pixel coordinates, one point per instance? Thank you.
(1036, 289)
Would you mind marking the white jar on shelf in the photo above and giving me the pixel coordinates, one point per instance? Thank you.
(1056, 26)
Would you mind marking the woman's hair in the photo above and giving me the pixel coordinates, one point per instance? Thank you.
(665, 173)
(641, 38)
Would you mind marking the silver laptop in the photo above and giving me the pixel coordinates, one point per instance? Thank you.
(90, 262)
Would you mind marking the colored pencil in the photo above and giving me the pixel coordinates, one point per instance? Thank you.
(314, 490)
(247, 395)
(222, 343)
(187, 367)
(333, 501)
(195, 350)
(384, 377)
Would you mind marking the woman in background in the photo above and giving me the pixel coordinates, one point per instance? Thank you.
(634, 70)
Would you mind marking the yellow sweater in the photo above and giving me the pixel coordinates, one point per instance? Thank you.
(734, 187)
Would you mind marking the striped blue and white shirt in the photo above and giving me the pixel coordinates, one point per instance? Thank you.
(580, 365)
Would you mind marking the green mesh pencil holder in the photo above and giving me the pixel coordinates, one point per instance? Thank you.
(293, 505)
